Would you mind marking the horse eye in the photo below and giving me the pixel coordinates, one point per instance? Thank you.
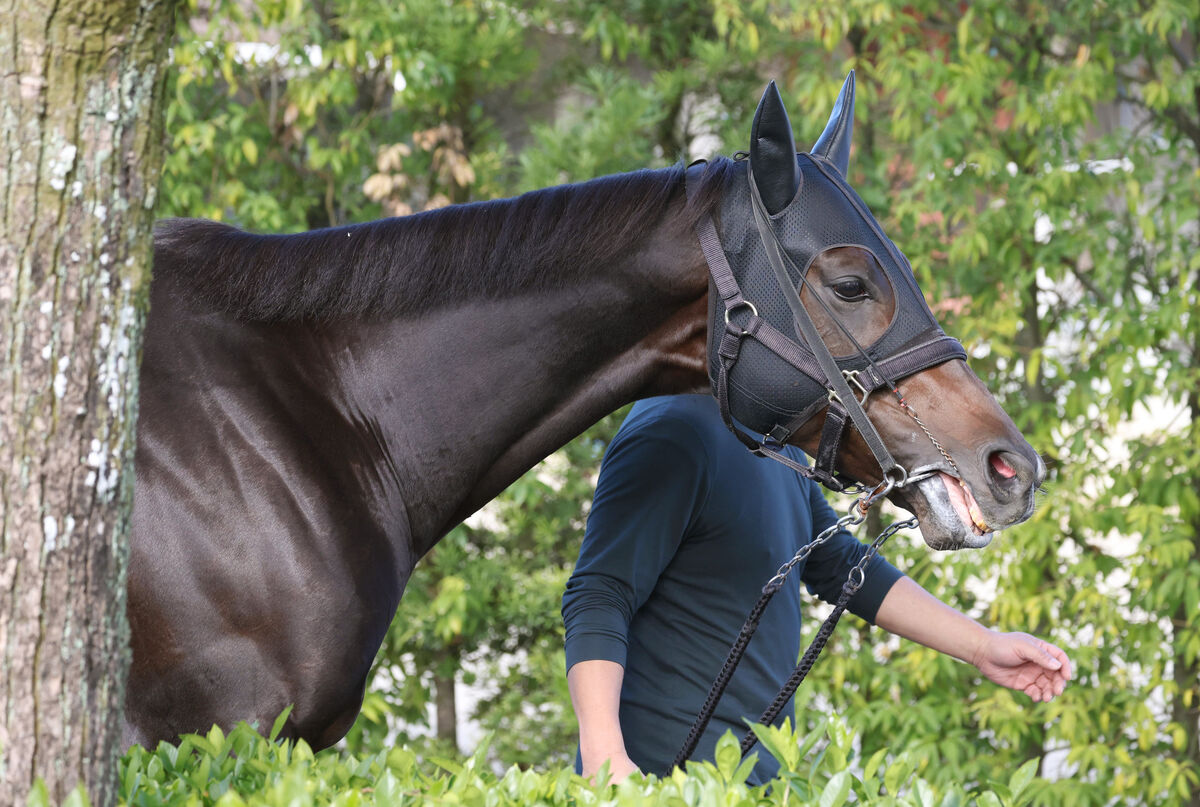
(850, 289)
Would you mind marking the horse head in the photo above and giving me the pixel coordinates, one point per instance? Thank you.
(856, 343)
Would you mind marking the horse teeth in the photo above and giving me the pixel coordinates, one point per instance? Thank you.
(976, 514)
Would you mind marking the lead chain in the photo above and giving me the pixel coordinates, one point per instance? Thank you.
(853, 583)
(858, 575)
(936, 443)
(856, 515)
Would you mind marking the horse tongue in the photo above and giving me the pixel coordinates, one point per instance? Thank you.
(964, 503)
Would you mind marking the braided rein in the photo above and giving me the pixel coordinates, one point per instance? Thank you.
(854, 581)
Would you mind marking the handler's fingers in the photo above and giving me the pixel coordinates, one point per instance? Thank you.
(1044, 687)
(1062, 657)
(1048, 690)
(1052, 685)
(1036, 650)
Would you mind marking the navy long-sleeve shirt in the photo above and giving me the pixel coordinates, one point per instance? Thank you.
(685, 529)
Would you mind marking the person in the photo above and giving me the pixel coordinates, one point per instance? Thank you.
(685, 528)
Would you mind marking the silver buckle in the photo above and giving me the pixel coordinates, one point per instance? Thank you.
(851, 377)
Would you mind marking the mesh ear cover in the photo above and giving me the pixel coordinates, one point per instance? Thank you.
(766, 391)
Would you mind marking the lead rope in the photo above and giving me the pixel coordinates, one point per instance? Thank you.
(855, 580)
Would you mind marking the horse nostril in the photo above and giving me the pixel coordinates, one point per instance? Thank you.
(1002, 468)
(1009, 473)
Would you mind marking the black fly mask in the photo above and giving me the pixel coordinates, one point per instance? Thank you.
(769, 367)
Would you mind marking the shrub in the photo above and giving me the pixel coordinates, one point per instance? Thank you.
(245, 769)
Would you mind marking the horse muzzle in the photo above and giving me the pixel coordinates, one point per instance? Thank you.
(952, 517)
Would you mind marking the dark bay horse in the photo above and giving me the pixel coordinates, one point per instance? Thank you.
(318, 409)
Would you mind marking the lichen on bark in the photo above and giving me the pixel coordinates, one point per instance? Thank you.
(81, 94)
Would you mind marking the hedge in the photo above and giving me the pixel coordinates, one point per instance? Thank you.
(246, 769)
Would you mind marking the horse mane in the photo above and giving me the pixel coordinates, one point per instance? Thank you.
(413, 264)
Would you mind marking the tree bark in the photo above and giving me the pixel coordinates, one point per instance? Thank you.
(1185, 704)
(446, 699)
(81, 110)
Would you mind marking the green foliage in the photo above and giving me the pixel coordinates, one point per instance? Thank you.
(1038, 163)
(1064, 251)
(245, 769)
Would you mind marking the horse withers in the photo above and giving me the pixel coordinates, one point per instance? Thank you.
(319, 409)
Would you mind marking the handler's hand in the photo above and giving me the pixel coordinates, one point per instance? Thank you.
(620, 767)
(1024, 663)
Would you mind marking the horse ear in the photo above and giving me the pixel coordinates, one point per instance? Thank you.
(834, 142)
(773, 152)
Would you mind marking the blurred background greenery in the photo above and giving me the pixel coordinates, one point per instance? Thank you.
(1038, 162)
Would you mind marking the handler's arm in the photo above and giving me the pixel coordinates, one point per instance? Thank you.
(652, 482)
(1015, 660)
(595, 687)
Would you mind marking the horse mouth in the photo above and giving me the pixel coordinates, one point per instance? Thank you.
(950, 517)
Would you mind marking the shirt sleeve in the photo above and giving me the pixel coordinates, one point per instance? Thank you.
(829, 565)
(652, 486)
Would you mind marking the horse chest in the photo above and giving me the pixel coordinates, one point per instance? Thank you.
(268, 552)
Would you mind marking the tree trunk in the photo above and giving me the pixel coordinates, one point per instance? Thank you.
(1185, 704)
(81, 103)
(1187, 712)
(447, 701)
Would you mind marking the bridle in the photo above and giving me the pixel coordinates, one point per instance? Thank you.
(846, 393)
(810, 355)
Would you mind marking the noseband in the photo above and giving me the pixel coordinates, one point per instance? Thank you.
(841, 391)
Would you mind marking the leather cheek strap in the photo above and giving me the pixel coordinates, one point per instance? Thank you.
(808, 330)
(816, 361)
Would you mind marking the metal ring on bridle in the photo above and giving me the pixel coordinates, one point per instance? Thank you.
(875, 494)
(736, 306)
(901, 473)
(858, 576)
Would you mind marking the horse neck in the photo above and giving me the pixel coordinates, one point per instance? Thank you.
(468, 397)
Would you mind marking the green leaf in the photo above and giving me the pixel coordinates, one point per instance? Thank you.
(728, 755)
(896, 775)
(216, 740)
(38, 795)
(745, 768)
(752, 37)
(872, 766)
(924, 794)
(277, 726)
(989, 799)
(836, 791)
(780, 743)
(1021, 778)
(810, 740)
(230, 799)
